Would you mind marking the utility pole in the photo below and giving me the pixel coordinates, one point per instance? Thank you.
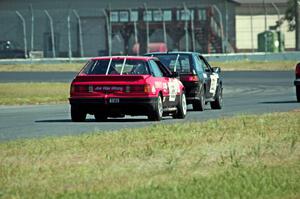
(297, 20)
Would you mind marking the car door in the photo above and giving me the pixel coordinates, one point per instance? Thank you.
(160, 82)
(171, 86)
(211, 79)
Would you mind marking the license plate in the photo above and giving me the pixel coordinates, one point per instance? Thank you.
(114, 100)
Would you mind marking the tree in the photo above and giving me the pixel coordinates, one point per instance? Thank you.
(292, 16)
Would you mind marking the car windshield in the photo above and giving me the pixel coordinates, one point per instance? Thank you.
(116, 67)
(176, 62)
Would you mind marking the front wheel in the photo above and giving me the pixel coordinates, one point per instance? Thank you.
(181, 108)
(218, 103)
(298, 93)
(77, 115)
(157, 112)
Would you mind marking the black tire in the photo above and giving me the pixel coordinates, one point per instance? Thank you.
(157, 112)
(198, 105)
(77, 115)
(100, 117)
(181, 108)
(298, 93)
(218, 103)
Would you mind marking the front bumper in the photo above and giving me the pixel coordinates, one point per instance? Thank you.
(297, 82)
(126, 106)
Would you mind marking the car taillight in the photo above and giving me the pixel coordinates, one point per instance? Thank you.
(79, 88)
(135, 88)
(190, 78)
(147, 88)
(297, 70)
(138, 89)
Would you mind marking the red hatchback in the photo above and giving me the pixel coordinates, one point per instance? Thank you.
(124, 85)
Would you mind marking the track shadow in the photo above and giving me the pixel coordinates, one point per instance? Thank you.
(109, 120)
(279, 102)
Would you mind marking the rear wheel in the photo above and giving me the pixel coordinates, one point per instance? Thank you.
(181, 108)
(157, 112)
(218, 103)
(298, 93)
(77, 115)
(198, 105)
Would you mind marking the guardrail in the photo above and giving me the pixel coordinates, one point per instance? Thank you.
(284, 56)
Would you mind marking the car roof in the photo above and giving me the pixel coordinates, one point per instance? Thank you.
(142, 58)
(173, 52)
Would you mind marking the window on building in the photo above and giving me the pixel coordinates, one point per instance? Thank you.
(147, 15)
(114, 16)
(157, 15)
(185, 14)
(124, 16)
(202, 14)
(134, 15)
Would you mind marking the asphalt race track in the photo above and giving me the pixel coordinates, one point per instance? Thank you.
(244, 93)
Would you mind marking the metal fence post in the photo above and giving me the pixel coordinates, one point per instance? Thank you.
(147, 27)
(24, 32)
(32, 29)
(192, 31)
(69, 37)
(164, 26)
(80, 33)
(186, 28)
(221, 26)
(52, 33)
(108, 28)
(135, 32)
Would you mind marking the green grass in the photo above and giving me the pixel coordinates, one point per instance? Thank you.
(256, 65)
(73, 67)
(226, 66)
(241, 157)
(33, 93)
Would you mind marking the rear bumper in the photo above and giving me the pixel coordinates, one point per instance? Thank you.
(297, 82)
(126, 106)
(192, 90)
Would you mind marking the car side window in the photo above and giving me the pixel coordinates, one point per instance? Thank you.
(199, 64)
(155, 69)
(166, 72)
(205, 66)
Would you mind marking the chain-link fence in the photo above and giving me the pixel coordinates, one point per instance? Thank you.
(86, 32)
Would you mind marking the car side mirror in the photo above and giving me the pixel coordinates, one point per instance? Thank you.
(216, 69)
(175, 74)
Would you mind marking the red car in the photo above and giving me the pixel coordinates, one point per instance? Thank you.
(124, 85)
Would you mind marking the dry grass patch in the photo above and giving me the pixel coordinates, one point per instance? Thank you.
(64, 67)
(256, 65)
(33, 93)
(246, 156)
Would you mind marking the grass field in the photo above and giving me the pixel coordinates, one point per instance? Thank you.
(226, 66)
(33, 93)
(240, 157)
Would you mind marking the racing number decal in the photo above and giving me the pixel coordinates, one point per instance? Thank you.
(173, 90)
(214, 81)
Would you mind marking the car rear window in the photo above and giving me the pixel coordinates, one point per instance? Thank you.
(183, 62)
(115, 67)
